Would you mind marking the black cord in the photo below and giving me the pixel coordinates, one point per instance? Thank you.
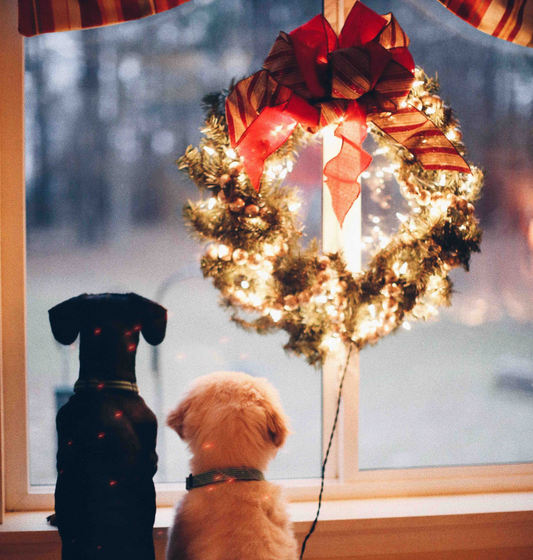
(313, 526)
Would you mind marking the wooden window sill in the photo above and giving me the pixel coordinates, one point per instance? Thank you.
(484, 526)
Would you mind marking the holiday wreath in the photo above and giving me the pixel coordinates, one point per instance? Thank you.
(364, 79)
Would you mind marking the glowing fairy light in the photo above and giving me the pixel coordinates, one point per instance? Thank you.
(212, 202)
(331, 310)
(376, 220)
(223, 251)
(331, 342)
(240, 295)
(403, 268)
(209, 150)
(372, 310)
(230, 153)
(294, 206)
(321, 299)
(366, 175)
(255, 300)
(275, 314)
(406, 325)
(401, 217)
(245, 284)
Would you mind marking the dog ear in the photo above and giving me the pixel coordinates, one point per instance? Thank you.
(276, 424)
(65, 320)
(153, 319)
(176, 418)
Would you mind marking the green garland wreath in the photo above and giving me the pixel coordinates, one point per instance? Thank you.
(258, 266)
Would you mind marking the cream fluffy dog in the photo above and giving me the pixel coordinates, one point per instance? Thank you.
(228, 420)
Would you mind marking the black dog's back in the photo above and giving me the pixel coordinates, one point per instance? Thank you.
(106, 460)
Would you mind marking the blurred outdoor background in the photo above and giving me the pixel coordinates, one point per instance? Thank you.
(108, 111)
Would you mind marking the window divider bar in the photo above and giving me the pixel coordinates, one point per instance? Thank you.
(343, 461)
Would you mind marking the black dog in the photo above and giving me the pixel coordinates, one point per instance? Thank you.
(106, 459)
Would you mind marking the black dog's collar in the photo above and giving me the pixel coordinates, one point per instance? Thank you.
(99, 385)
(222, 475)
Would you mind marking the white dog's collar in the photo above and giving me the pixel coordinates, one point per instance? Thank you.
(230, 474)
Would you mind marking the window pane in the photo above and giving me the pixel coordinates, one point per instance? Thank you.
(108, 112)
(459, 390)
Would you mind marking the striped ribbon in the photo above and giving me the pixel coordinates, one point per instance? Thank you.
(47, 16)
(511, 20)
(313, 78)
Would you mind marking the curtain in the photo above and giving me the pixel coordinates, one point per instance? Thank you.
(47, 16)
(511, 20)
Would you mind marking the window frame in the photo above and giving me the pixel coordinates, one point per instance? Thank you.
(344, 480)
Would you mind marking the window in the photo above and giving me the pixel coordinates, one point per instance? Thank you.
(379, 478)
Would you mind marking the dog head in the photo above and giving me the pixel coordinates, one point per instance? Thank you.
(109, 327)
(230, 419)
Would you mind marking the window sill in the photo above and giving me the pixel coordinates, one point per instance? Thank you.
(491, 525)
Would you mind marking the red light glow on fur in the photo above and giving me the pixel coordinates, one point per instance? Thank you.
(208, 445)
(119, 414)
(131, 347)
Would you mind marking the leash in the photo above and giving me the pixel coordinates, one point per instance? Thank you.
(313, 526)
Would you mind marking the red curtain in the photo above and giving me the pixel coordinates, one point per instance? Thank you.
(47, 16)
(511, 20)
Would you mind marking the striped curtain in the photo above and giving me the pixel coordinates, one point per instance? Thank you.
(47, 16)
(511, 20)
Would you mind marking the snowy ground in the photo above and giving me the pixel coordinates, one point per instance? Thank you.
(431, 396)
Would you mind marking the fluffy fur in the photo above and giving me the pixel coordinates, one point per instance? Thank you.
(231, 419)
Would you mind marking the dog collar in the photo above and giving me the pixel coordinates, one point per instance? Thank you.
(99, 385)
(222, 475)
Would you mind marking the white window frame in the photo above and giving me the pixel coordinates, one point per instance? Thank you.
(344, 479)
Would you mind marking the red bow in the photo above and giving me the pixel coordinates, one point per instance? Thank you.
(313, 78)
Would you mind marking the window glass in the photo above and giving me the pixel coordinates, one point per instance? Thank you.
(108, 111)
(459, 389)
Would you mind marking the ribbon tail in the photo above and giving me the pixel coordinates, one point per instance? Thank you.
(417, 133)
(350, 162)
